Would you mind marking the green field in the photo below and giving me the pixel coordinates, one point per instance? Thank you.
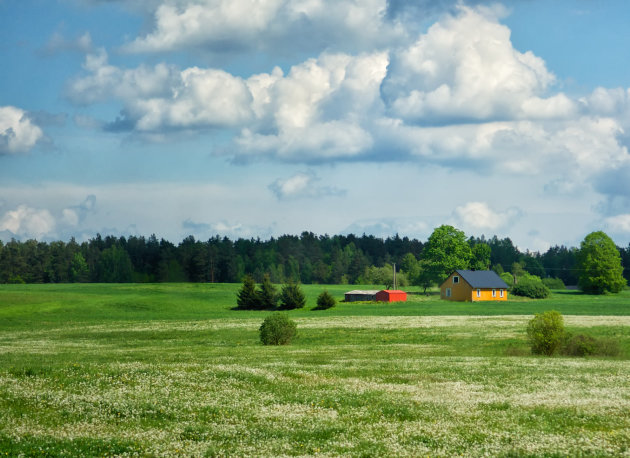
(170, 369)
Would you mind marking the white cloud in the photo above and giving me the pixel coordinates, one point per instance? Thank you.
(17, 133)
(302, 185)
(478, 216)
(280, 25)
(28, 222)
(465, 68)
(618, 223)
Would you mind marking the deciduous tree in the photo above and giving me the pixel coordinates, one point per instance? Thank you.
(600, 265)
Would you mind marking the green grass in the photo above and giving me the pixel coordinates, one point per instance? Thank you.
(170, 369)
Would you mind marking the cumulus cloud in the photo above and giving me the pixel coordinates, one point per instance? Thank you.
(221, 26)
(618, 223)
(18, 133)
(27, 222)
(458, 95)
(465, 68)
(478, 216)
(302, 185)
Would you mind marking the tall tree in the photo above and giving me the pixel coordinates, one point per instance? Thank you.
(447, 250)
(600, 265)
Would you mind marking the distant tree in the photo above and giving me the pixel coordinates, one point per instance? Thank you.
(533, 266)
(114, 266)
(410, 266)
(79, 271)
(447, 250)
(600, 265)
(480, 257)
(267, 294)
(325, 301)
(247, 298)
(517, 271)
(292, 297)
(426, 275)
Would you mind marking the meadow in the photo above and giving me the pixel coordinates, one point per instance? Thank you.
(171, 369)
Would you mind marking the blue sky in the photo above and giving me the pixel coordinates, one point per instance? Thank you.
(257, 118)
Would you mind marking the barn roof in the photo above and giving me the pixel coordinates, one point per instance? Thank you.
(482, 278)
(360, 291)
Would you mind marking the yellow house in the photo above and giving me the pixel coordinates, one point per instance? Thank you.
(474, 285)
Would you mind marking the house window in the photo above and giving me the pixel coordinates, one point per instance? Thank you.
(478, 293)
(455, 279)
(448, 292)
(494, 293)
(501, 293)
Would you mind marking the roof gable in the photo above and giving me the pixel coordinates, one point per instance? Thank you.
(482, 278)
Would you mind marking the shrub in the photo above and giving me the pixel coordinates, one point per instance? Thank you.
(507, 278)
(579, 345)
(292, 297)
(585, 345)
(546, 332)
(531, 288)
(554, 283)
(277, 329)
(325, 301)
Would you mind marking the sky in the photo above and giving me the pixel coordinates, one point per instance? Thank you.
(257, 118)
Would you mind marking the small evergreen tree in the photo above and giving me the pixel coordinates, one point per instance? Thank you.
(292, 297)
(267, 295)
(247, 298)
(325, 301)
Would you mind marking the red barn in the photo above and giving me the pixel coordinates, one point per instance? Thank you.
(391, 295)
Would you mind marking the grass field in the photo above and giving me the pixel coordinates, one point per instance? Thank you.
(170, 369)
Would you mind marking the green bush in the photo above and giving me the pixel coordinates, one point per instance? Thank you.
(507, 278)
(325, 301)
(529, 287)
(554, 283)
(545, 333)
(277, 329)
(585, 345)
(579, 345)
(292, 297)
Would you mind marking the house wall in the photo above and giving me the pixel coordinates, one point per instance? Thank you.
(486, 295)
(459, 291)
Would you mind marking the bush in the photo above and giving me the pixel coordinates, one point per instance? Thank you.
(585, 345)
(554, 283)
(277, 329)
(546, 332)
(292, 297)
(507, 278)
(325, 301)
(579, 345)
(531, 288)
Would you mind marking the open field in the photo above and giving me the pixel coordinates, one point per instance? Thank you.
(170, 369)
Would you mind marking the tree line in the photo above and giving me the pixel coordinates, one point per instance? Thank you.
(307, 258)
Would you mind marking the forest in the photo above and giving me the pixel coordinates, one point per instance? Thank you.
(307, 258)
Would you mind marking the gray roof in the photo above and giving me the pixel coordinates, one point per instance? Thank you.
(482, 278)
(370, 292)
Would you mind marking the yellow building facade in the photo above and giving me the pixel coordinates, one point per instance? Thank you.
(474, 285)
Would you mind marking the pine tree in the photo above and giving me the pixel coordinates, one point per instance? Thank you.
(292, 297)
(247, 298)
(267, 295)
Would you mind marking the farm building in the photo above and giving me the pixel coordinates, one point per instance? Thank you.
(474, 285)
(391, 295)
(360, 295)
